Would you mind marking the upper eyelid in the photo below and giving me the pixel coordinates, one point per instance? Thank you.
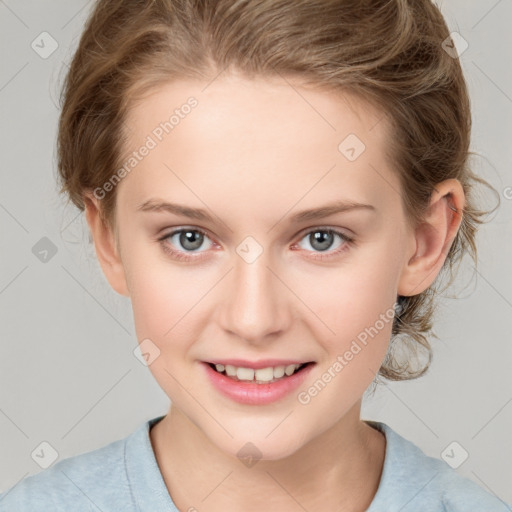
(301, 234)
(306, 231)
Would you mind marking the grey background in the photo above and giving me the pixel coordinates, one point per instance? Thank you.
(68, 373)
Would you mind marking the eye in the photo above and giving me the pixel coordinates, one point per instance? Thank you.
(188, 240)
(322, 240)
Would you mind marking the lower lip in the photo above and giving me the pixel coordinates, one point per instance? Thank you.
(252, 393)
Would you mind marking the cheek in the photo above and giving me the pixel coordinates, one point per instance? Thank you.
(160, 290)
(351, 297)
(359, 310)
(355, 308)
(160, 294)
(163, 304)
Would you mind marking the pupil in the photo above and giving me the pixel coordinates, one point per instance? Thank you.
(323, 238)
(192, 237)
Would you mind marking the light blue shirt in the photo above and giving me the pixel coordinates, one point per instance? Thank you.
(124, 476)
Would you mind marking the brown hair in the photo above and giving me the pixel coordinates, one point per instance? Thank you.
(388, 52)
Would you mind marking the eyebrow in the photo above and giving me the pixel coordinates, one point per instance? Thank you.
(155, 205)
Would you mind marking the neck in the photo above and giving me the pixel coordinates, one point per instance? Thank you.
(338, 470)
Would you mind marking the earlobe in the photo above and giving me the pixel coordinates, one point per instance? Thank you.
(433, 238)
(105, 246)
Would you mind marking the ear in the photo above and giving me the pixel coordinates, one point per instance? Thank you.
(432, 238)
(105, 245)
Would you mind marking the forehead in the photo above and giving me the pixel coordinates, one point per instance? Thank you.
(271, 138)
(231, 102)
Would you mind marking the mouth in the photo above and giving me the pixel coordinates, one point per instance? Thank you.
(257, 382)
(263, 375)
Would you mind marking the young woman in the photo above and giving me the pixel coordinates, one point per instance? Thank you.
(277, 185)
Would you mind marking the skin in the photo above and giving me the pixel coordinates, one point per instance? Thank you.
(253, 153)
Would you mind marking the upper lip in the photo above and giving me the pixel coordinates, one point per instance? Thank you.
(262, 363)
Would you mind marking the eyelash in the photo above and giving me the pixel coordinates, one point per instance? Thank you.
(183, 256)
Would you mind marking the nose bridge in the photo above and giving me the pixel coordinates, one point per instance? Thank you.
(255, 305)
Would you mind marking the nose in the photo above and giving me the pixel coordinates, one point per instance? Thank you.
(255, 305)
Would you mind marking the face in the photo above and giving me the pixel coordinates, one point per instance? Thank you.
(249, 278)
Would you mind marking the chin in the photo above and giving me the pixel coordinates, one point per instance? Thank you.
(251, 447)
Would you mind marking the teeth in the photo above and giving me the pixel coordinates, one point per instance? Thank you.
(245, 373)
(290, 369)
(278, 372)
(268, 374)
(264, 374)
(230, 371)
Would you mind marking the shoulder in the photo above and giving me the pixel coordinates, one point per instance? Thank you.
(82, 483)
(412, 481)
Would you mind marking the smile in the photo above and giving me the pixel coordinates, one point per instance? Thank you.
(260, 375)
(257, 386)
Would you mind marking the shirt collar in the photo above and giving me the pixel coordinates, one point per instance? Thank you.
(144, 477)
(406, 473)
(397, 486)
